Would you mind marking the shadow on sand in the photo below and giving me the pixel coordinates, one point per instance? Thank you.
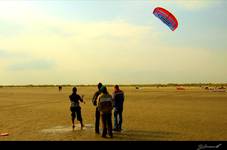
(136, 135)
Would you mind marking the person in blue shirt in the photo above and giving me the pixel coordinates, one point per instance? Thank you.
(118, 101)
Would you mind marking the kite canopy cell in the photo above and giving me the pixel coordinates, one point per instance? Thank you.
(166, 17)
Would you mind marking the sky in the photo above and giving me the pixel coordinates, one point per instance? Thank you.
(112, 41)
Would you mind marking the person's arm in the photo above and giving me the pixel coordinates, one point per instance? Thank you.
(113, 96)
(113, 99)
(70, 98)
(112, 102)
(94, 99)
(81, 98)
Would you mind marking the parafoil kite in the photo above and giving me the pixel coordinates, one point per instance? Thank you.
(166, 17)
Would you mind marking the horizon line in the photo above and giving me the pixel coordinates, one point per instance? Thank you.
(133, 84)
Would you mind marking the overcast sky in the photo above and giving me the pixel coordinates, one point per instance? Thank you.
(113, 41)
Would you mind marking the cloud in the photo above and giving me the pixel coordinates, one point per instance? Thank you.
(19, 10)
(73, 42)
(196, 4)
(31, 65)
(20, 61)
(4, 54)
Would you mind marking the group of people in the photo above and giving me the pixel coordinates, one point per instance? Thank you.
(104, 103)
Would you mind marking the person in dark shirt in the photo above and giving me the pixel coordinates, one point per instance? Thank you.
(118, 100)
(97, 113)
(75, 107)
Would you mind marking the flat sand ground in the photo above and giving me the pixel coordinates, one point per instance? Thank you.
(150, 113)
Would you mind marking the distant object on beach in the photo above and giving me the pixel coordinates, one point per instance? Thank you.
(220, 89)
(207, 88)
(137, 87)
(180, 88)
(216, 89)
(60, 88)
(4, 134)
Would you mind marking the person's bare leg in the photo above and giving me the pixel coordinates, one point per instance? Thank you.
(82, 125)
(73, 125)
(73, 115)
